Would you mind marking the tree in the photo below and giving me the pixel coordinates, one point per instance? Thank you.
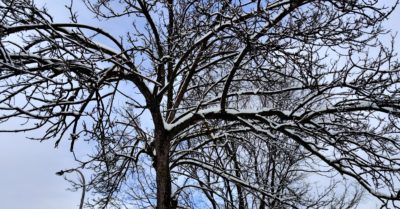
(213, 77)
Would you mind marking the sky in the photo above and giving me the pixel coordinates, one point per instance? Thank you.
(27, 168)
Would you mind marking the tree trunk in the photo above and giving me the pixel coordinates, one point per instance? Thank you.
(164, 199)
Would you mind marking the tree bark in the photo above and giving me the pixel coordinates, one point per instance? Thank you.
(163, 178)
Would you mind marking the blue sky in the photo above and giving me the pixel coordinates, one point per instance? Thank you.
(27, 168)
(27, 174)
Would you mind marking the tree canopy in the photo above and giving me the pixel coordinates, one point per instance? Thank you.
(211, 103)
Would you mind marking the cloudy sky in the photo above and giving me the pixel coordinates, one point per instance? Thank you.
(27, 168)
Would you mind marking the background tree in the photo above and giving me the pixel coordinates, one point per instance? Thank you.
(203, 89)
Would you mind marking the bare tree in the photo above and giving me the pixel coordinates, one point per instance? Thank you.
(192, 92)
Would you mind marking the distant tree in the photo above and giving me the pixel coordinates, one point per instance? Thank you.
(230, 103)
